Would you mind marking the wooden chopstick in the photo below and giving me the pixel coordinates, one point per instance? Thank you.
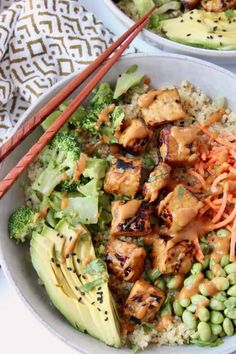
(39, 117)
(33, 152)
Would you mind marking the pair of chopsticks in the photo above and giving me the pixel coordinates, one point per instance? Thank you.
(123, 42)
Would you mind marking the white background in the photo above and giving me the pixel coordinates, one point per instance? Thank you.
(19, 331)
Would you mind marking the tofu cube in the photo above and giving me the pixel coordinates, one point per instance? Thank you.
(136, 136)
(161, 107)
(172, 258)
(132, 218)
(158, 179)
(178, 209)
(144, 302)
(123, 177)
(126, 260)
(179, 145)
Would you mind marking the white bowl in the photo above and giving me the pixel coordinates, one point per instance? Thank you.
(164, 70)
(217, 56)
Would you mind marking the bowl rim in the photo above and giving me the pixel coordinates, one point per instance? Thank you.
(167, 43)
(27, 114)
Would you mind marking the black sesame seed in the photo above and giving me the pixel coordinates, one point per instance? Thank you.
(199, 21)
(105, 312)
(61, 236)
(98, 309)
(106, 319)
(70, 239)
(52, 259)
(93, 303)
(73, 254)
(220, 35)
(99, 288)
(76, 288)
(190, 17)
(69, 268)
(83, 276)
(189, 34)
(67, 256)
(79, 299)
(78, 260)
(58, 235)
(181, 21)
(74, 271)
(58, 265)
(82, 293)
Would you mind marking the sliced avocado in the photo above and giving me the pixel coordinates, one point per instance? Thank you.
(83, 298)
(202, 29)
(95, 168)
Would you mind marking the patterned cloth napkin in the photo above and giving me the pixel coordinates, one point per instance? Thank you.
(42, 41)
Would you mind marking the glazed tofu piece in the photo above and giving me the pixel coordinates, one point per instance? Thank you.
(178, 209)
(190, 4)
(218, 5)
(179, 145)
(144, 302)
(158, 179)
(136, 136)
(130, 218)
(123, 177)
(172, 258)
(161, 106)
(125, 260)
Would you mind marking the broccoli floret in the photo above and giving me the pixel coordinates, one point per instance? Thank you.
(90, 120)
(103, 95)
(21, 224)
(64, 152)
(68, 186)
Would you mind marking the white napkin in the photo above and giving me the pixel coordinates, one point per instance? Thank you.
(42, 41)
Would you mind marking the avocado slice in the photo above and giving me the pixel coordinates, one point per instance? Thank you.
(60, 257)
(202, 29)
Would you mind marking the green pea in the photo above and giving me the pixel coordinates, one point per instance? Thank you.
(196, 268)
(160, 283)
(230, 313)
(178, 309)
(189, 319)
(230, 268)
(206, 263)
(220, 272)
(195, 335)
(216, 317)
(175, 282)
(221, 296)
(228, 327)
(203, 289)
(216, 329)
(192, 308)
(232, 278)
(217, 305)
(209, 275)
(222, 233)
(212, 263)
(189, 280)
(232, 291)
(184, 302)
(230, 303)
(203, 314)
(222, 333)
(221, 283)
(224, 260)
(204, 331)
(196, 299)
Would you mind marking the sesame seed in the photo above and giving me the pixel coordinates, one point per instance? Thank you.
(58, 235)
(190, 17)
(93, 303)
(220, 35)
(189, 34)
(199, 21)
(52, 260)
(74, 271)
(73, 254)
(58, 265)
(78, 260)
(67, 256)
(98, 309)
(83, 276)
(79, 299)
(69, 268)
(76, 288)
(106, 319)
(82, 293)
(105, 312)
(99, 288)
(61, 236)
(70, 239)
(181, 21)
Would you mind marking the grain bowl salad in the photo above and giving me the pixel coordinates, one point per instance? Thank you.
(209, 24)
(130, 215)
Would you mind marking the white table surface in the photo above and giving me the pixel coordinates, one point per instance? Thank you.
(19, 330)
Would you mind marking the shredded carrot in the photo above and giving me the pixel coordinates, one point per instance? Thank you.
(217, 180)
(220, 212)
(199, 177)
(214, 137)
(226, 221)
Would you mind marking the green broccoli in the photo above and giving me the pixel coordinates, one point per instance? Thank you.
(90, 119)
(21, 224)
(64, 152)
(103, 95)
